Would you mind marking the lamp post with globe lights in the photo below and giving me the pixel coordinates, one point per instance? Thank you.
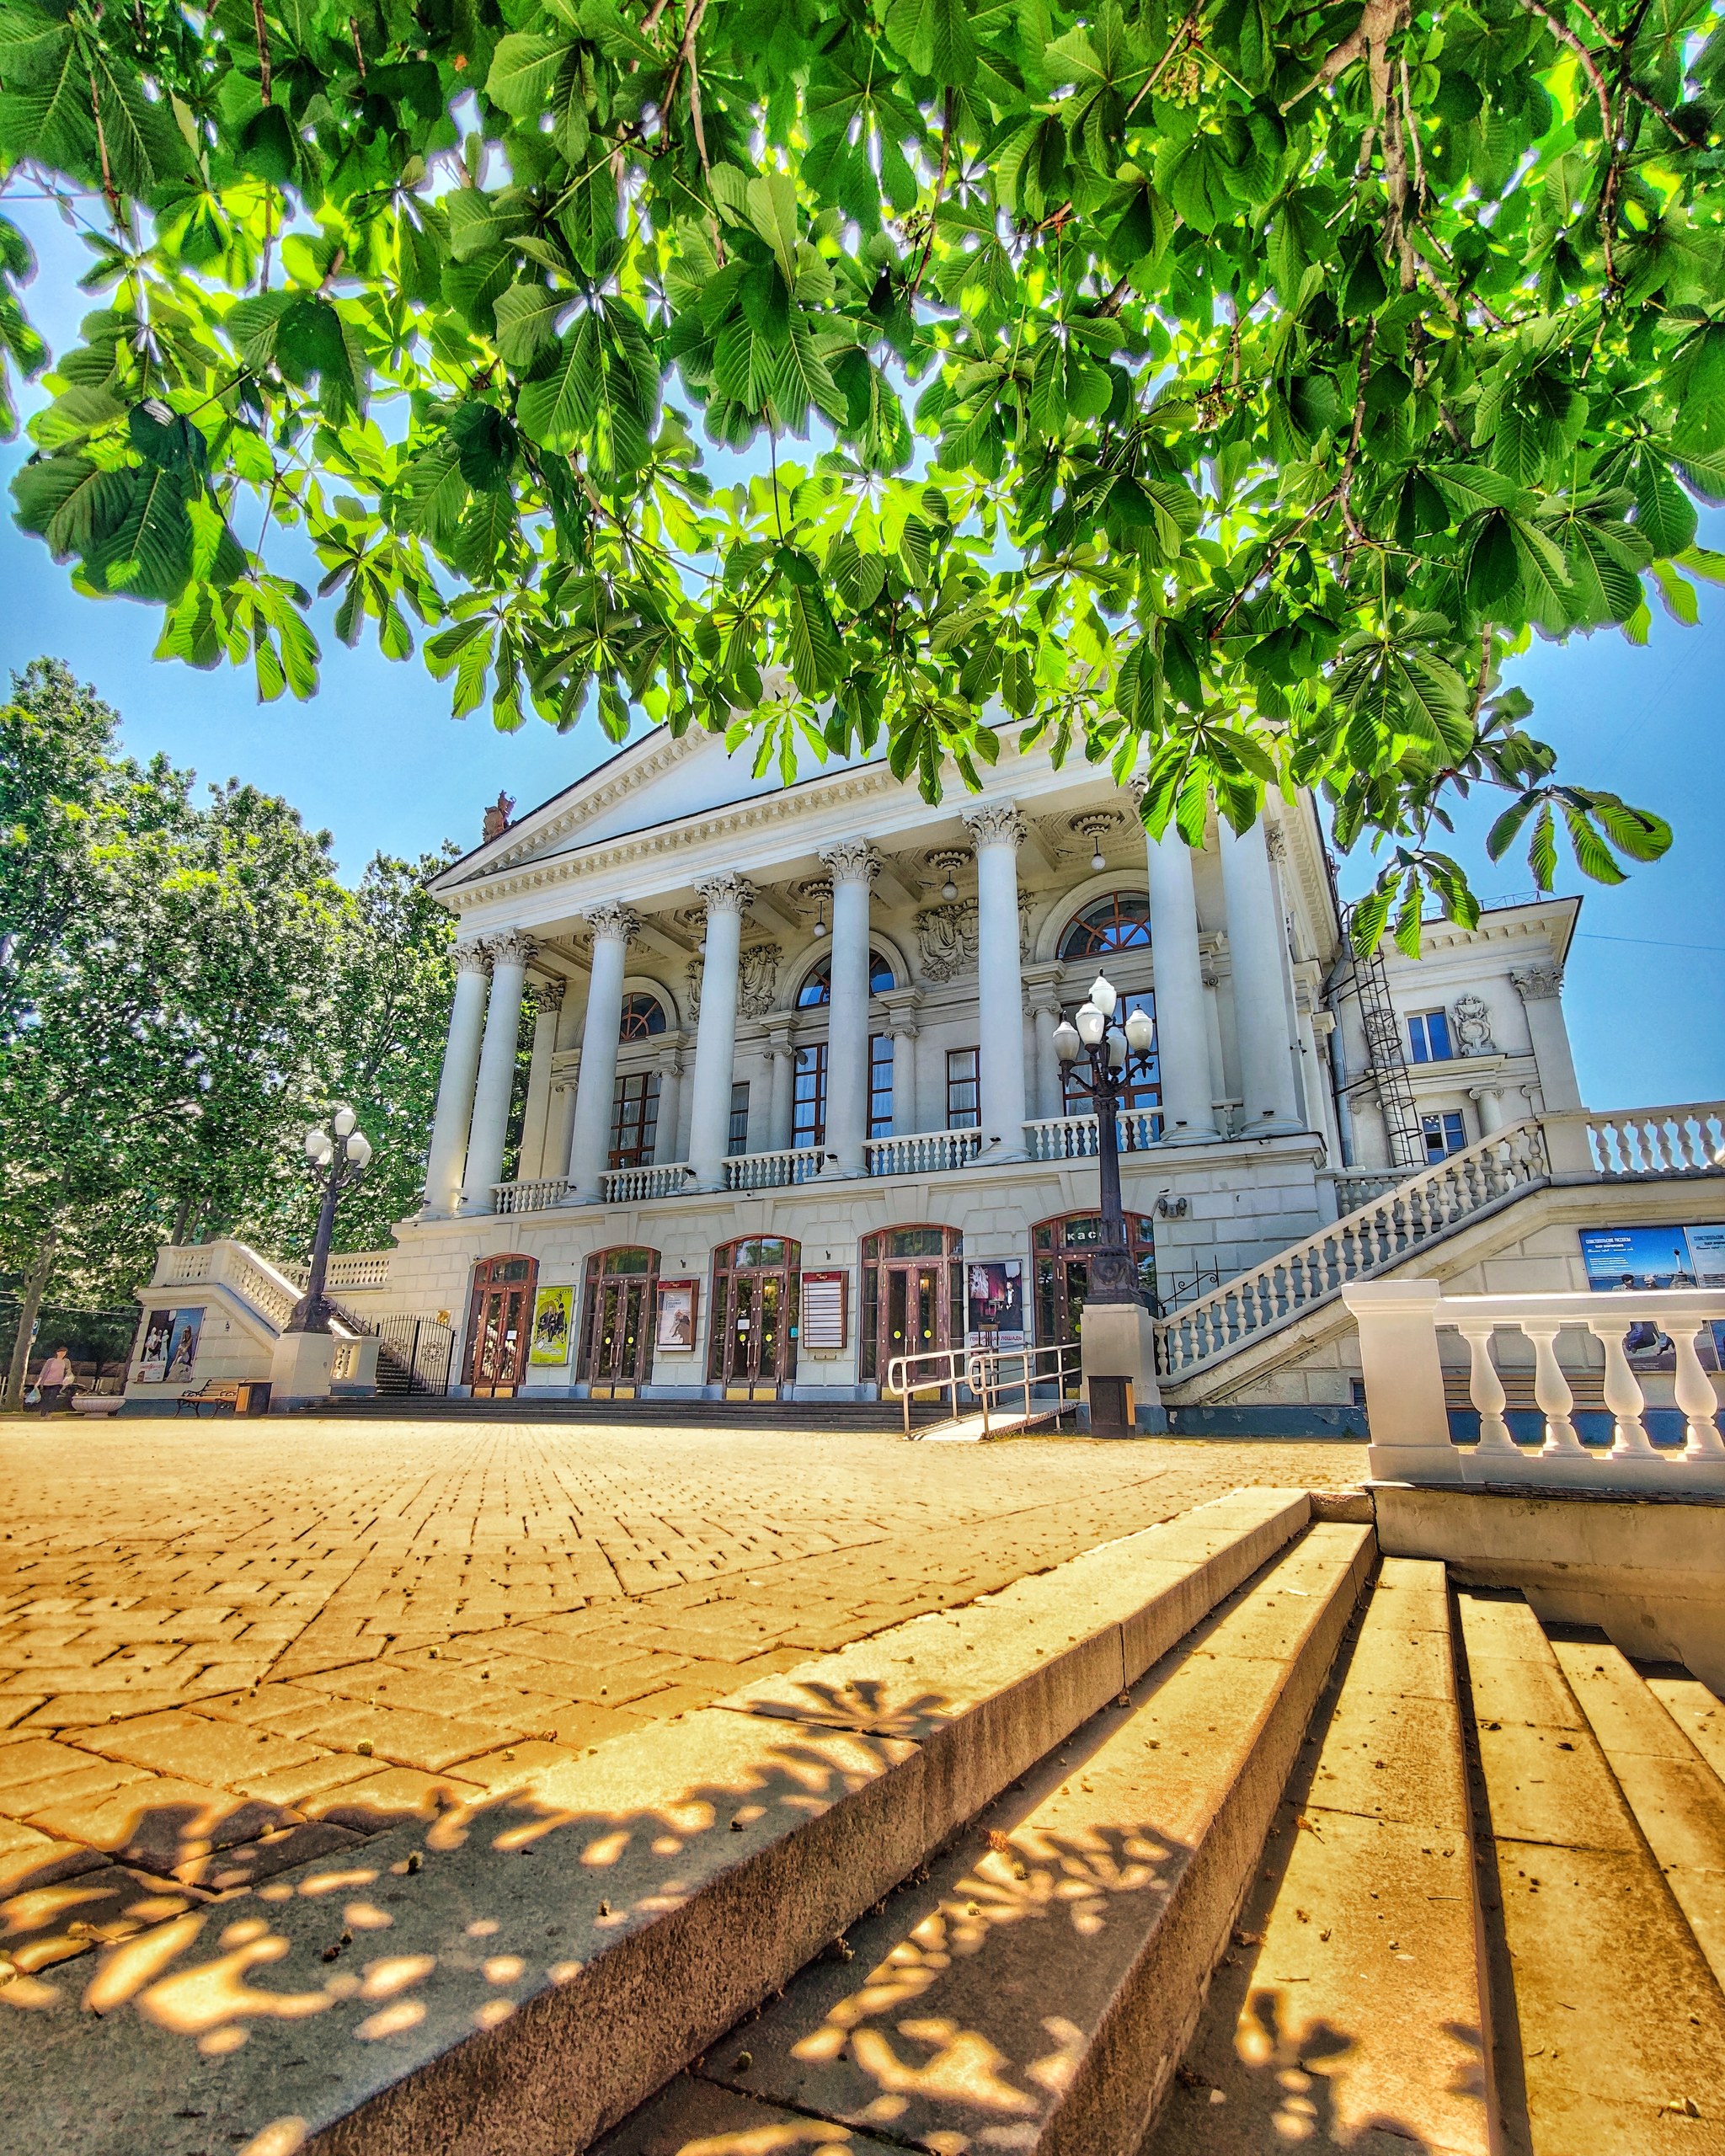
(336, 1158)
(1116, 1339)
(1092, 1039)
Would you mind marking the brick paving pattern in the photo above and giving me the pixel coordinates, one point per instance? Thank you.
(228, 1650)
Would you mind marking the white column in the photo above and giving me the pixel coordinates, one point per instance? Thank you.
(905, 1030)
(1489, 1101)
(854, 864)
(547, 1003)
(612, 925)
(726, 897)
(455, 1088)
(996, 833)
(1182, 1025)
(784, 1059)
(1260, 1000)
(560, 1112)
(670, 1108)
(1541, 989)
(496, 1090)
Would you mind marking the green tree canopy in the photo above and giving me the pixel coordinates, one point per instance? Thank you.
(1220, 389)
(166, 1039)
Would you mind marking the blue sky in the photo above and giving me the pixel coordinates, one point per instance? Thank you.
(376, 759)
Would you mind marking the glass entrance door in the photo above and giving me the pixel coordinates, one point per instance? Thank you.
(912, 1289)
(616, 1324)
(1062, 1250)
(754, 1317)
(498, 1320)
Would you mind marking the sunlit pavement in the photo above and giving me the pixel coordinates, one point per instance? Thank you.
(225, 1648)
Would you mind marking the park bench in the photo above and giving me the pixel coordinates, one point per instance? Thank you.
(213, 1392)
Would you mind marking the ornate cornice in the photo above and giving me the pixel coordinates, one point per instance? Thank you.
(998, 824)
(531, 836)
(851, 861)
(612, 918)
(726, 892)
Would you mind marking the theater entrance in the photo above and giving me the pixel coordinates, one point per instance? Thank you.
(913, 1296)
(499, 1319)
(617, 1322)
(1062, 1250)
(755, 1314)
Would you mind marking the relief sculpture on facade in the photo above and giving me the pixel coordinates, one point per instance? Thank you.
(946, 939)
(758, 982)
(1473, 1025)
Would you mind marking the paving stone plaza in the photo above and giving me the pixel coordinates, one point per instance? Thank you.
(224, 1647)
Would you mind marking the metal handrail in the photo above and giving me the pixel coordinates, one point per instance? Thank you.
(979, 1371)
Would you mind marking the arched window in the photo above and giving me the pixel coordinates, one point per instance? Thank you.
(1119, 922)
(643, 1015)
(818, 987)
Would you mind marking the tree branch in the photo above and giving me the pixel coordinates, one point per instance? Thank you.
(263, 48)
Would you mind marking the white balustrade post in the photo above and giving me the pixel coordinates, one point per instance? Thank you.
(1484, 1388)
(853, 864)
(1404, 1381)
(455, 1088)
(494, 1090)
(1182, 1029)
(996, 833)
(612, 925)
(1551, 1388)
(547, 1004)
(726, 898)
(1623, 1396)
(1696, 1396)
(1256, 940)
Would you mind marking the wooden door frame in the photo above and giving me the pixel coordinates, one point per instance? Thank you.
(483, 1283)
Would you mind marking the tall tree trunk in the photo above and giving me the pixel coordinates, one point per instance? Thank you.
(181, 1219)
(35, 1287)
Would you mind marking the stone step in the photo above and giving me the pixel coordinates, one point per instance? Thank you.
(522, 1974)
(886, 1416)
(1611, 2030)
(1678, 1800)
(1033, 1990)
(1351, 2014)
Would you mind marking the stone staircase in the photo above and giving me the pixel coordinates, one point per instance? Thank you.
(1222, 1837)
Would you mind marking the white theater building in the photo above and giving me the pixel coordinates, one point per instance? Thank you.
(793, 1107)
(793, 1051)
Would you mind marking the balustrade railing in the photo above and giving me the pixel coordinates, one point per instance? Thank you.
(774, 1171)
(1618, 1343)
(1074, 1137)
(350, 1271)
(1376, 1235)
(1687, 1141)
(269, 1291)
(1354, 1190)
(538, 1194)
(925, 1152)
(628, 1185)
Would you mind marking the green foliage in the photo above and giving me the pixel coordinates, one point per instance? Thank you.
(186, 985)
(1227, 390)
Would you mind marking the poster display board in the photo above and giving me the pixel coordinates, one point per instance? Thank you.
(995, 1304)
(826, 1303)
(1619, 1260)
(674, 1326)
(169, 1353)
(554, 1327)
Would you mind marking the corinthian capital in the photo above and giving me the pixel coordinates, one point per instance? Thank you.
(851, 861)
(725, 893)
(548, 993)
(512, 948)
(612, 918)
(999, 824)
(1539, 983)
(473, 957)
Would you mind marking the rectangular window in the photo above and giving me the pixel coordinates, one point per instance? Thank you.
(964, 1089)
(881, 1085)
(1443, 1134)
(634, 1119)
(1428, 1037)
(809, 1096)
(739, 1141)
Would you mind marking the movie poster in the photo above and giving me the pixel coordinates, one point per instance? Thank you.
(676, 1328)
(996, 1299)
(153, 1355)
(553, 1327)
(1631, 1260)
(184, 1326)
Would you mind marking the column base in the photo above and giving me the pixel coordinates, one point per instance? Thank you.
(1205, 1135)
(300, 1370)
(1118, 1354)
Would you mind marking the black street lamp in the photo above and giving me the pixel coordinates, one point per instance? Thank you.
(1105, 1048)
(336, 1163)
